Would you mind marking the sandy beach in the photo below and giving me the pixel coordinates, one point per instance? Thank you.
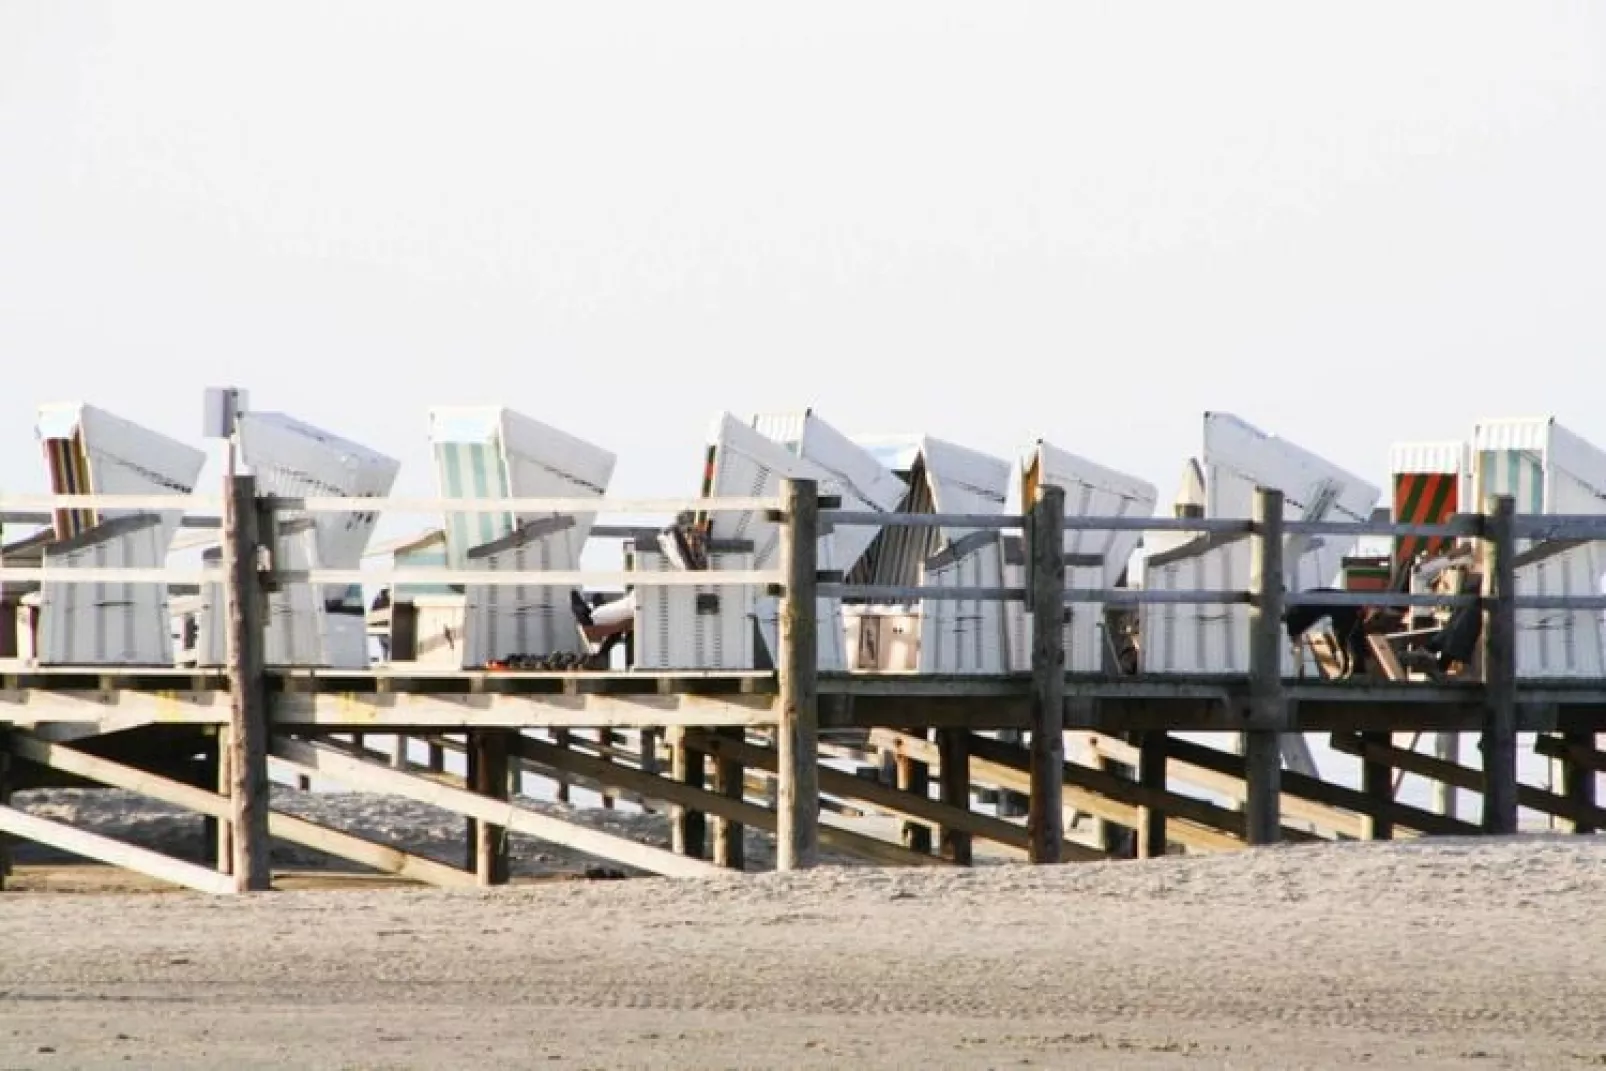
(1445, 953)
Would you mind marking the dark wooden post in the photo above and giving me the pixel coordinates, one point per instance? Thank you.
(1046, 579)
(487, 775)
(1578, 779)
(1446, 746)
(649, 750)
(730, 781)
(605, 740)
(953, 785)
(561, 738)
(914, 777)
(1268, 708)
(247, 749)
(688, 827)
(798, 794)
(1499, 651)
(1377, 782)
(1151, 775)
(5, 801)
(217, 830)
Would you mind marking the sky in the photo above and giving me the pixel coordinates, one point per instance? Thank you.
(1350, 225)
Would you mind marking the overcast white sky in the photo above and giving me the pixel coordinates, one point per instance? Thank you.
(1350, 225)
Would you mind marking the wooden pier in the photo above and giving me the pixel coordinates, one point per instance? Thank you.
(745, 748)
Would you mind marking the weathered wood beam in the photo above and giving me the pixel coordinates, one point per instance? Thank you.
(286, 827)
(592, 842)
(678, 793)
(885, 797)
(114, 852)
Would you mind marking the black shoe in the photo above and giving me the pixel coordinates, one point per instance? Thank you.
(581, 608)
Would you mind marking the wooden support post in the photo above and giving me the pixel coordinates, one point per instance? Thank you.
(1577, 778)
(560, 737)
(5, 801)
(1151, 775)
(649, 750)
(730, 781)
(435, 757)
(798, 796)
(688, 827)
(1499, 650)
(914, 777)
(1011, 804)
(1046, 580)
(487, 775)
(1268, 708)
(1377, 781)
(1446, 746)
(218, 830)
(209, 780)
(248, 716)
(1112, 838)
(953, 773)
(606, 742)
(398, 758)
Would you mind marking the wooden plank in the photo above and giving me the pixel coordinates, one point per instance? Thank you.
(677, 793)
(1300, 787)
(730, 782)
(1268, 707)
(1136, 795)
(1377, 781)
(112, 711)
(1578, 779)
(6, 782)
(100, 712)
(286, 827)
(223, 833)
(914, 779)
(1582, 753)
(394, 710)
(246, 643)
(378, 779)
(688, 827)
(1535, 799)
(1219, 777)
(1018, 779)
(885, 797)
(1046, 574)
(1446, 746)
(575, 578)
(114, 852)
(391, 504)
(797, 803)
(487, 776)
(1498, 645)
(1150, 760)
(599, 506)
(953, 787)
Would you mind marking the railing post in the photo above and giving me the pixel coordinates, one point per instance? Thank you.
(798, 791)
(1045, 816)
(248, 715)
(5, 801)
(1498, 645)
(1268, 707)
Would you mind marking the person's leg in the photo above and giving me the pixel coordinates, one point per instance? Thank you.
(597, 623)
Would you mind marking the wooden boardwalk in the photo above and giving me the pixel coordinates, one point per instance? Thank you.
(725, 750)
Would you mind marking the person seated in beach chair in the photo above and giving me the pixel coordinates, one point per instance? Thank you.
(684, 543)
